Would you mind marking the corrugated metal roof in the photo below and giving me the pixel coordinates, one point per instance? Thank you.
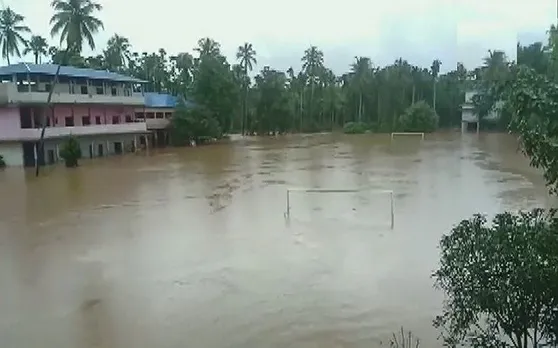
(50, 69)
(161, 100)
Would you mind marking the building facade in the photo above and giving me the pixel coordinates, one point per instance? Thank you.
(98, 107)
(470, 119)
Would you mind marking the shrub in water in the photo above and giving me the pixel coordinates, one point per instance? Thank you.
(70, 152)
(355, 128)
(419, 117)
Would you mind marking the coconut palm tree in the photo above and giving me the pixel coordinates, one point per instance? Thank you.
(312, 65)
(361, 73)
(247, 59)
(12, 30)
(208, 47)
(75, 21)
(117, 53)
(37, 46)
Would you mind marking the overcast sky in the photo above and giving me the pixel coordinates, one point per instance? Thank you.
(419, 31)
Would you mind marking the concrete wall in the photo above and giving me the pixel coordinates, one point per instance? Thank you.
(10, 123)
(106, 113)
(12, 153)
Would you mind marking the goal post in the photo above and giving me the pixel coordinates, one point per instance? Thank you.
(332, 190)
(407, 134)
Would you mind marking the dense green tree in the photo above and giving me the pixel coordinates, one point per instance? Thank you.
(419, 117)
(194, 123)
(37, 46)
(75, 21)
(500, 281)
(117, 54)
(12, 31)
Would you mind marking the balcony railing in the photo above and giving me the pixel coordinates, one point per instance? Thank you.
(9, 94)
(32, 134)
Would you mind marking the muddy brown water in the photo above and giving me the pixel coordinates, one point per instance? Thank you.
(190, 247)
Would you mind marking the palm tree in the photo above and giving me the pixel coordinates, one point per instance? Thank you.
(117, 53)
(208, 47)
(75, 21)
(360, 75)
(435, 68)
(312, 64)
(11, 30)
(247, 57)
(38, 46)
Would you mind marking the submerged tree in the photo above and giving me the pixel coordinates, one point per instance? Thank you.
(70, 152)
(500, 281)
(419, 117)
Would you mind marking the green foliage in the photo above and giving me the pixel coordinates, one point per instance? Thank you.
(272, 106)
(355, 128)
(70, 152)
(2, 162)
(501, 281)
(196, 124)
(419, 117)
(532, 98)
(214, 88)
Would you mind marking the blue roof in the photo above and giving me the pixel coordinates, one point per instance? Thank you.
(161, 100)
(70, 71)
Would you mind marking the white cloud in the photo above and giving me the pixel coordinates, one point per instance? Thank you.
(419, 31)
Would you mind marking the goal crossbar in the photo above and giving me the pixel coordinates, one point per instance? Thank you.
(407, 133)
(334, 190)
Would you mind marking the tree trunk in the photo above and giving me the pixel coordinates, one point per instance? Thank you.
(434, 96)
(36, 58)
(360, 108)
(414, 90)
(8, 59)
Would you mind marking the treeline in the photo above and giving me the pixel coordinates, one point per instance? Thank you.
(305, 98)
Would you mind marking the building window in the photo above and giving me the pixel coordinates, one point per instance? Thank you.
(128, 119)
(69, 121)
(97, 119)
(99, 90)
(84, 90)
(86, 120)
(47, 87)
(150, 115)
(140, 115)
(168, 115)
(115, 119)
(113, 91)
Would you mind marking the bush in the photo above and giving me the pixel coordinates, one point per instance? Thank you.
(196, 124)
(2, 162)
(501, 281)
(355, 128)
(71, 152)
(419, 117)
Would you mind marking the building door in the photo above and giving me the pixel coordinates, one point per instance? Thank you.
(90, 150)
(28, 154)
(100, 150)
(117, 147)
(50, 157)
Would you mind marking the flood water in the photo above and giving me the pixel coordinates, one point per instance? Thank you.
(190, 247)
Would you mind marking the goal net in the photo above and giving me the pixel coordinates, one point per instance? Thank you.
(359, 207)
(407, 135)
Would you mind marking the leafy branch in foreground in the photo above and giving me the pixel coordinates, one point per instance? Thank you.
(500, 281)
(533, 99)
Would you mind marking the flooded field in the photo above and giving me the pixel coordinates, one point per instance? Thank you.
(190, 247)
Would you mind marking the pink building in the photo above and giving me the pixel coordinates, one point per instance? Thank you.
(99, 107)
